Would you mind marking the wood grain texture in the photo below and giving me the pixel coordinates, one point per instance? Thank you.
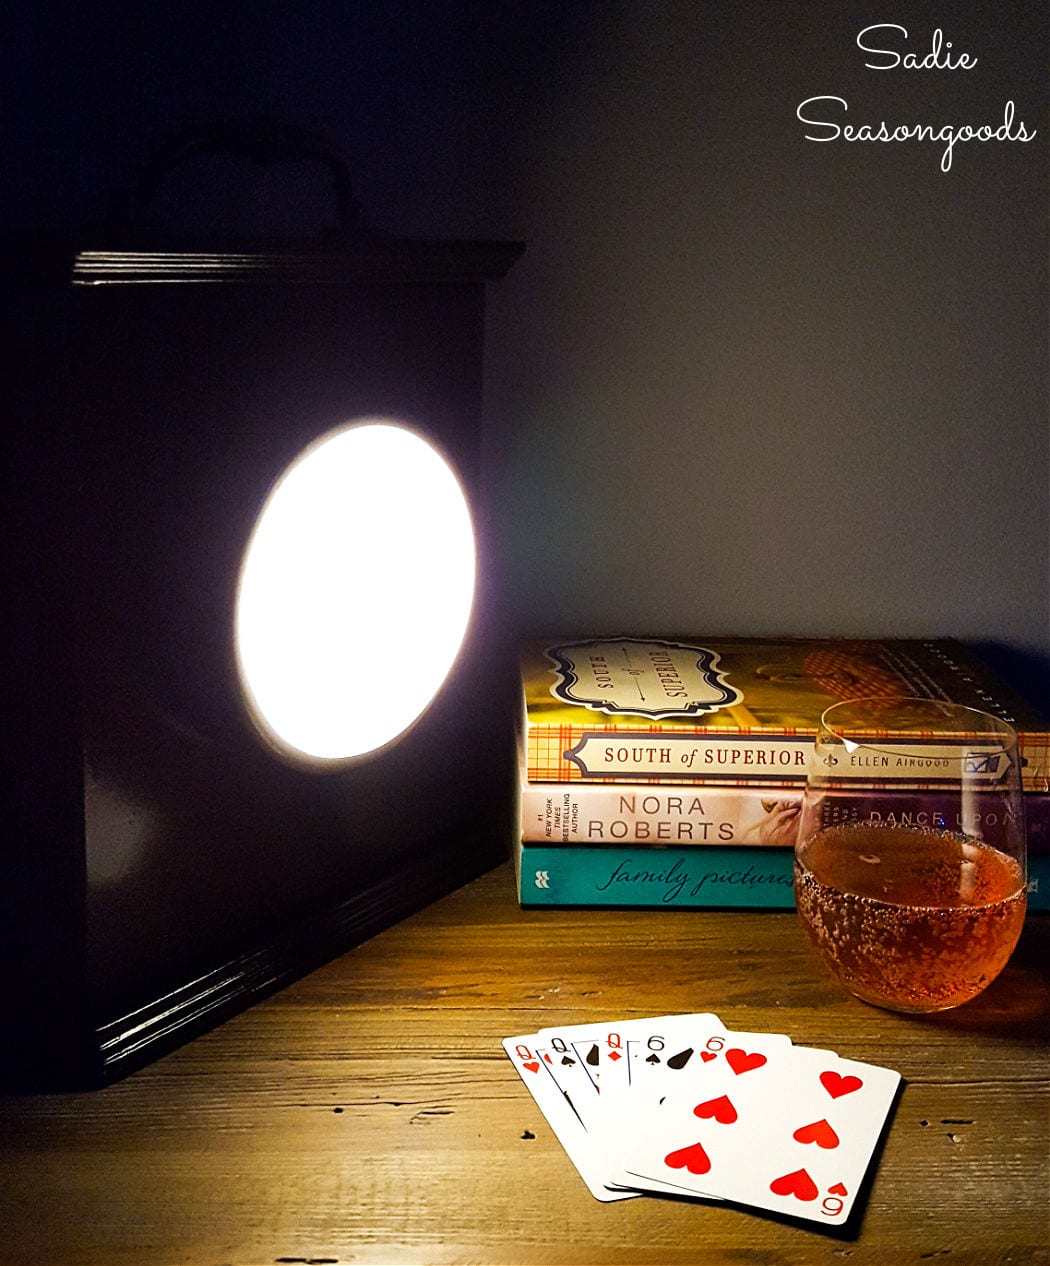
(368, 1114)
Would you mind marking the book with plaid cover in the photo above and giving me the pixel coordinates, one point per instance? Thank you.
(734, 711)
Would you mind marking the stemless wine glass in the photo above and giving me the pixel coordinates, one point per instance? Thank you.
(910, 859)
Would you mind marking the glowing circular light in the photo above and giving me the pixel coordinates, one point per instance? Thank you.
(355, 592)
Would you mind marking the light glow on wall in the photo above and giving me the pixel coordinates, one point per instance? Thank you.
(355, 592)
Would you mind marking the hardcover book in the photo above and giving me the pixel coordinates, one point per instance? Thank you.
(637, 814)
(734, 711)
(618, 813)
(681, 878)
(664, 877)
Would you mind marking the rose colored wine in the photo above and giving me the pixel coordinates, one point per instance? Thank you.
(915, 920)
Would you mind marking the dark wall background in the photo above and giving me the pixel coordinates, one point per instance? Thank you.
(741, 381)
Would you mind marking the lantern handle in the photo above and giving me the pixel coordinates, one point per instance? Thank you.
(262, 139)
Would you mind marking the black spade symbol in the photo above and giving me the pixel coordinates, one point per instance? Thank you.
(681, 1059)
(653, 1059)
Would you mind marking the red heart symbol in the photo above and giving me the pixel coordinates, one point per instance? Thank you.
(741, 1062)
(820, 1132)
(693, 1158)
(836, 1085)
(721, 1109)
(799, 1184)
(533, 1066)
(837, 1190)
(708, 1056)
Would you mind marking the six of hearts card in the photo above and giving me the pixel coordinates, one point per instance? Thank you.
(681, 1105)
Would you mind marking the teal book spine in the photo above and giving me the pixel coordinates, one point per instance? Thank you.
(674, 878)
(748, 878)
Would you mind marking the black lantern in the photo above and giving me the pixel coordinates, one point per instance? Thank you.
(235, 467)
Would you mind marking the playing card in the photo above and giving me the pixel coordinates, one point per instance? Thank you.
(826, 1133)
(682, 1105)
(560, 1114)
(567, 1069)
(792, 1131)
(602, 1047)
(717, 1066)
(697, 1050)
(667, 1047)
(601, 1051)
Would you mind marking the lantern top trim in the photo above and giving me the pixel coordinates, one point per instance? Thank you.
(361, 260)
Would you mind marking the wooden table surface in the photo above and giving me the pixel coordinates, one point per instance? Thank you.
(367, 1114)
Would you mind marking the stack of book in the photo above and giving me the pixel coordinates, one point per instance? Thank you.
(670, 772)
